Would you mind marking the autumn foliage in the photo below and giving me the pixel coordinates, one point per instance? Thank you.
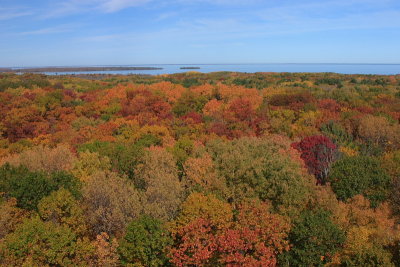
(318, 153)
(192, 169)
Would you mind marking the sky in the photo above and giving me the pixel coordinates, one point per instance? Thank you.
(134, 32)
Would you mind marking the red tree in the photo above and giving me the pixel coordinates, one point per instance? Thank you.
(196, 244)
(318, 153)
(255, 238)
(245, 247)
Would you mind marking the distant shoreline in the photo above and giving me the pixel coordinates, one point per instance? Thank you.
(5, 70)
(75, 69)
(372, 69)
(189, 68)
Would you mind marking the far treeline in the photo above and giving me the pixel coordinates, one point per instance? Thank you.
(74, 69)
(192, 169)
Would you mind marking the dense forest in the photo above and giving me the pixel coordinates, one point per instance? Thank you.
(192, 169)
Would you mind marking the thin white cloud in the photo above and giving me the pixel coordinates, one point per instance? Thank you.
(62, 9)
(237, 24)
(11, 13)
(165, 16)
(49, 30)
(205, 30)
(102, 38)
(221, 2)
(71, 7)
(110, 6)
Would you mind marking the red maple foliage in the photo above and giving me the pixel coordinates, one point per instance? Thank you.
(318, 153)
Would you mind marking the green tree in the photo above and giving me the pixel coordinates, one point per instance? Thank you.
(336, 132)
(38, 243)
(27, 187)
(145, 243)
(315, 239)
(124, 157)
(188, 102)
(351, 176)
(62, 179)
(30, 187)
(371, 257)
(62, 208)
(264, 168)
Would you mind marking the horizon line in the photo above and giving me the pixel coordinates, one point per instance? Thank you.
(177, 64)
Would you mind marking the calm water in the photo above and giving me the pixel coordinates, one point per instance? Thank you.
(385, 69)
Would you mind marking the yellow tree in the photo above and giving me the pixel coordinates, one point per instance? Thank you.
(158, 177)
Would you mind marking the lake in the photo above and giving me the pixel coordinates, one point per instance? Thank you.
(384, 69)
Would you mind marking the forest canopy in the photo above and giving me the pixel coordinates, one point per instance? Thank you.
(192, 169)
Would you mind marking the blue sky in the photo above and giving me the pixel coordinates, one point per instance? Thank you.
(113, 32)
